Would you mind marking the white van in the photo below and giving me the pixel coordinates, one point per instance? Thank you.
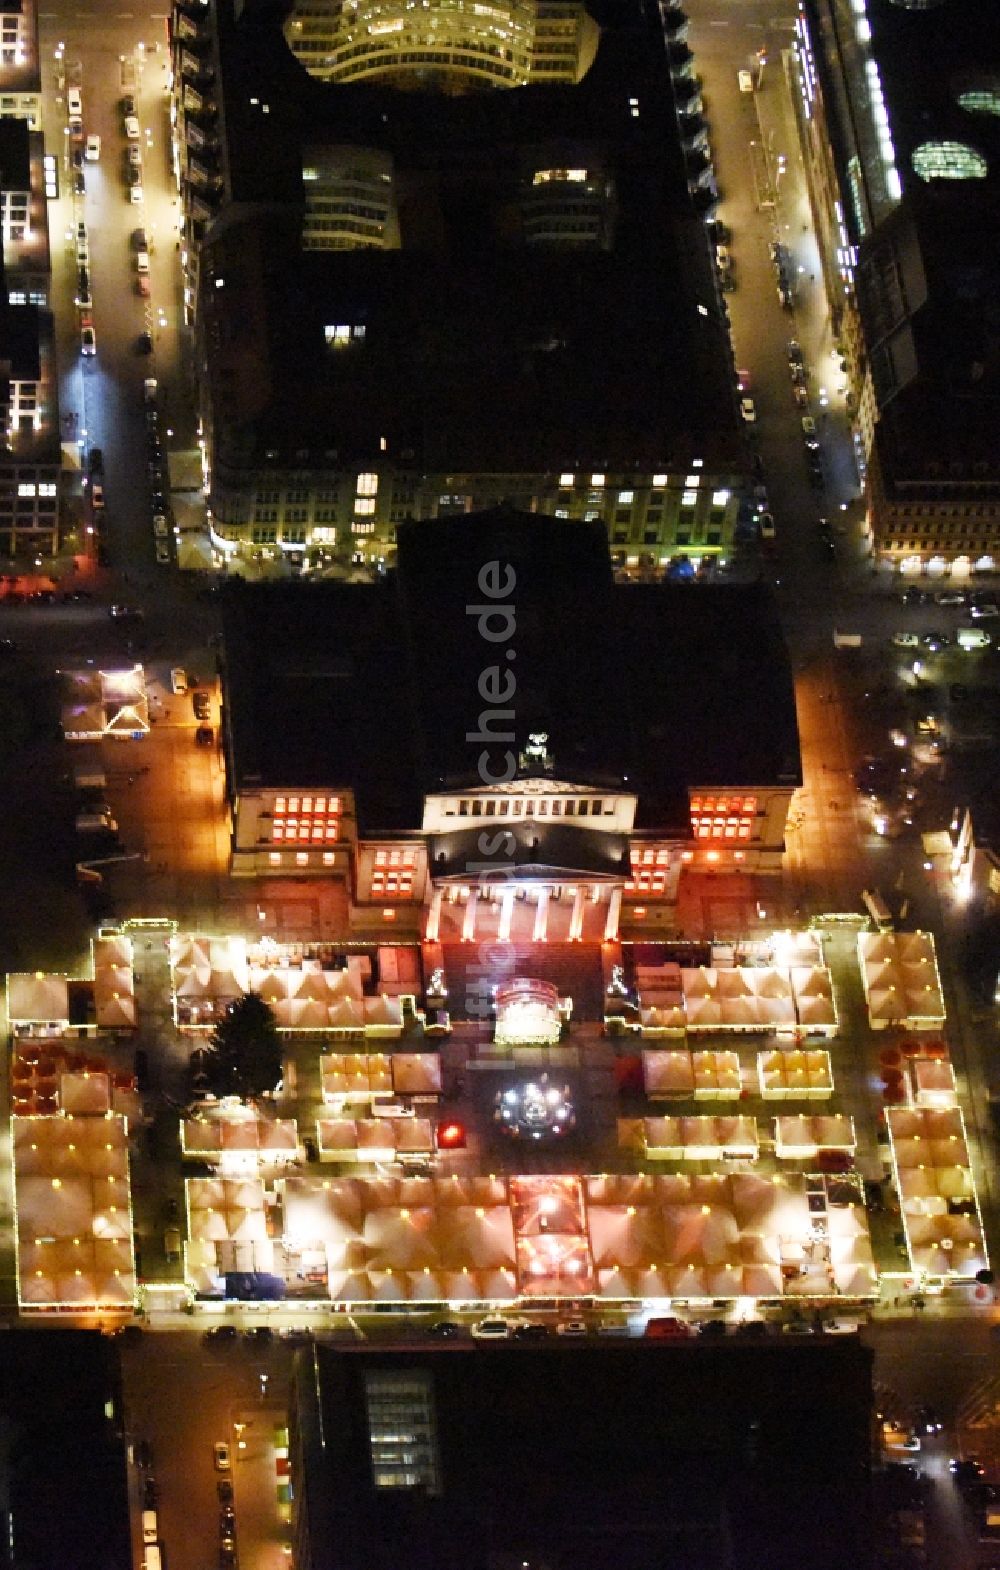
(150, 1528)
(152, 1559)
(745, 79)
(178, 681)
(973, 638)
(74, 103)
(142, 263)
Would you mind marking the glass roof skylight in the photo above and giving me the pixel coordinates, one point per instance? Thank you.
(949, 161)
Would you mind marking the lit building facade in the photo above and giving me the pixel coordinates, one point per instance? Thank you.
(900, 131)
(20, 77)
(450, 45)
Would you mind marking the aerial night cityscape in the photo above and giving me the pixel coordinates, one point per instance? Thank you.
(499, 731)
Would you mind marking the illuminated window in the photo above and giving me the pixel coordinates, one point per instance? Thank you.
(364, 506)
(342, 334)
(689, 499)
(719, 498)
(301, 858)
(659, 481)
(367, 485)
(561, 176)
(275, 858)
(949, 161)
(723, 817)
(981, 100)
(626, 498)
(597, 481)
(306, 820)
(566, 482)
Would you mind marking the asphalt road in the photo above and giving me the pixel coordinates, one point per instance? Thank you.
(183, 1395)
(101, 397)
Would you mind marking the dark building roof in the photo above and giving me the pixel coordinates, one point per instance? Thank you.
(699, 1455)
(480, 354)
(318, 694)
(713, 680)
(62, 1459)
(15, 161)
(929, 272)
(385, 688)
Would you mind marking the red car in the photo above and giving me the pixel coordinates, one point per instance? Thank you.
(666, 1329)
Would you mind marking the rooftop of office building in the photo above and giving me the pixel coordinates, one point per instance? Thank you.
(592, 1456)
(532, 290)
(926, 113)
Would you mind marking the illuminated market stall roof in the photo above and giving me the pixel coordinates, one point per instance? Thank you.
(937, 1192)
(901, 982)
(73, 1212)
(620, 1236)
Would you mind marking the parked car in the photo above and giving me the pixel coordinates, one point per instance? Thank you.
(162, 553)
(221, 1333)
(144, 343)
(88, 339)
(224, 1490)
(204, 737)
(572, 1327)
(223, 1459)
(809, 430)
(93, 148)
(202, 704)
(665, 1327)
(161, 528)
(178, 680)
(494, 1328)
(794, 352)
(132, 126)
(748, 409)
(531, 1330)
(906, 640)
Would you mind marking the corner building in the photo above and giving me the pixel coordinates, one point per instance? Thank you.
(420, 292)
(899, 116)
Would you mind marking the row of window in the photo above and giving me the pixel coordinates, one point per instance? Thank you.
(530, 807)
(392, 885)
(396, 858)
(723, 804)
(294, 805)
(314, 832)
(650, 855)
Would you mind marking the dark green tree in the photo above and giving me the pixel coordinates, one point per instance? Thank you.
(245, 1056)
